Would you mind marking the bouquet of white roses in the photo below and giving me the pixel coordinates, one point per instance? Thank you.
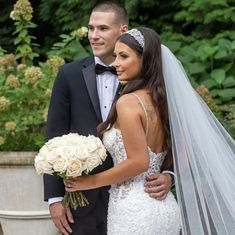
(69, 156)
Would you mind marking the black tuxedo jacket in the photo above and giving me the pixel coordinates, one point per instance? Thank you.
(75, 108)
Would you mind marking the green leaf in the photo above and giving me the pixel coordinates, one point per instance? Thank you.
(233, 45)
(27, 40)
(31, 25)
(200, 53)
(25, 48)
(218, 2)
(218, 75)
(173, 45)
(224, 43)
(65, 36)
(23, 33)
(227, 66)
(2, 51)
(195, 68)
(204, 51)
(186, 55)
(209, 50)
(17, 41)
(225, 100)
(209, 83)
(18, 56)
(229, 82)
(227, 93)
(59, 44)
(187, 50)
(215, 92)
(221, 54)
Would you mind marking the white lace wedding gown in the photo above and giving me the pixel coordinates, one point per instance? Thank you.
(131, 211)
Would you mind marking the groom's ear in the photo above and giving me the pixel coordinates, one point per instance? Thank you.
(124, 28)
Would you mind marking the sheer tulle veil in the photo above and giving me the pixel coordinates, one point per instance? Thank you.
(204, 157)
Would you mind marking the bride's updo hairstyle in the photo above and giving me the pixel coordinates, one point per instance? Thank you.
(151, 77)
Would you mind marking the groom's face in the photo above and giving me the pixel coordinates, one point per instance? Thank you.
(103, 32)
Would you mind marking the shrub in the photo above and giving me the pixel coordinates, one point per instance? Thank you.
(25, 87)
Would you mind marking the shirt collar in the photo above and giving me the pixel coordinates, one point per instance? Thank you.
(98, 61)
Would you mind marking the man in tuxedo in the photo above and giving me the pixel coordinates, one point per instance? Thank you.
(82, 96)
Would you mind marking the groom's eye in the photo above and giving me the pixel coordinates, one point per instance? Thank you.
(103, 28)
(90, 28)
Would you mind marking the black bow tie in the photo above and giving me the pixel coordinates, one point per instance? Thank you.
(101, 69)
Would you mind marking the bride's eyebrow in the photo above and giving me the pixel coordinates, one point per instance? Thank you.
(120, 53)
(123, 53)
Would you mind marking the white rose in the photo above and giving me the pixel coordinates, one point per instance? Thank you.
(52, 141)
(44, 151)
(42, 166)
(92, 162)
(95, 146)
(102, 153)
(74, 168)
(52, 156)
(81, 153)
(61, 164)
(92, 147)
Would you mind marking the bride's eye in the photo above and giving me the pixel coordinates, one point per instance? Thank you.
(124, 56)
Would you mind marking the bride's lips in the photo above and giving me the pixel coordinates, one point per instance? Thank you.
(119, 73)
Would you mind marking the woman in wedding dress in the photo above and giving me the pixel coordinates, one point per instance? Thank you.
(159, 115)
(138, 140)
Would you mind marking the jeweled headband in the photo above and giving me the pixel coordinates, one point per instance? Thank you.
(137, 35)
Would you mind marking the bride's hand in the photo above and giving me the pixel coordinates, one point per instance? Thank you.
(79, 183)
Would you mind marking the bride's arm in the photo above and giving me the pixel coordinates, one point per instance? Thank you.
(130, 122)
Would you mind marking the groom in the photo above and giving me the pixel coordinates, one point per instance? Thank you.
(81, 99)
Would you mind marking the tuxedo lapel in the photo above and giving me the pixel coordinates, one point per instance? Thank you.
(90, 80)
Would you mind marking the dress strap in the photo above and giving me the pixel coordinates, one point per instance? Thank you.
(142, 104)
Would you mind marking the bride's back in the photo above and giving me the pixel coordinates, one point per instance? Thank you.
(151, 120)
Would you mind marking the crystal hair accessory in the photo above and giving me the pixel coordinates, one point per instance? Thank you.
(137, 35)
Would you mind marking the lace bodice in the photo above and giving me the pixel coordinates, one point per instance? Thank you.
(114, 144)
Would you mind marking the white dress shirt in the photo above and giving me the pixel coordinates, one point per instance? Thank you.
(107, 84)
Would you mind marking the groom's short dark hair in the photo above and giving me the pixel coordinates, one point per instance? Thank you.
(108, 6)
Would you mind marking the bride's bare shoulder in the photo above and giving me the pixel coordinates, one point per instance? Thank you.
(127, 101)
(128, 111)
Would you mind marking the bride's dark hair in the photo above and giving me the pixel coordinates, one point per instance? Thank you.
(151, 78)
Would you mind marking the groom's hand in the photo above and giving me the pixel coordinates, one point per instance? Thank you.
(158, 185)
(61, 217)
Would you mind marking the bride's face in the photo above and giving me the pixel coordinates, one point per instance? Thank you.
(127, 62)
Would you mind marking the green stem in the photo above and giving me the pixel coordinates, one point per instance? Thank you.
(74, 200)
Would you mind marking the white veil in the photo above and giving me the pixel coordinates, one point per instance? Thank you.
(204, 157)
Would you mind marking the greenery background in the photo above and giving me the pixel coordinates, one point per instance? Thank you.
(200, 32)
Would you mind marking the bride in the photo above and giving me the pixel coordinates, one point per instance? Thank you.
(159, 115)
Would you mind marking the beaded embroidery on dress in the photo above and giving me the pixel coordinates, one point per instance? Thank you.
(131, 210)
